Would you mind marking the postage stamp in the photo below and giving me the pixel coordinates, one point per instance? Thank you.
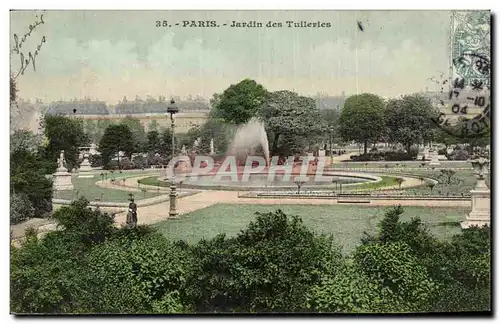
(465, 112)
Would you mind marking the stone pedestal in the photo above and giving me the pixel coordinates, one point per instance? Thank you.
(481, 211)
(434, 158)
(85, 169)
(62, 180)
(481, 207)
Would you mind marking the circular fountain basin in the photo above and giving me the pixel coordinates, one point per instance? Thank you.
(237, 181)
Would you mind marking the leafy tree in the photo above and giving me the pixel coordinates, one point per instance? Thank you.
(25, 140)
(64, 133)
(268, 267)
(330, 120)
(287, 114)
(154, 142)
(116, 138)
(240, 102)
(27, 176)
(138, 131)
(20, 208)
(409, 120)
(362, 119)
(222, 134)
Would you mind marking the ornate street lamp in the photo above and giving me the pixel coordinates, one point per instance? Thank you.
(172, 109)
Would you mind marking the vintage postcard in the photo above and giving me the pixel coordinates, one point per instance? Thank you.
(192, 162)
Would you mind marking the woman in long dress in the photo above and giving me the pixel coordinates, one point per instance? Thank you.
(132, 214)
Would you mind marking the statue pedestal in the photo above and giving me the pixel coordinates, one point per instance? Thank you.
(481, 207)
(434, 158)
(85, 169)
(62, 180)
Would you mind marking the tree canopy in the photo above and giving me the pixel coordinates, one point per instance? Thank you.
(409, 120)
(138, 131)
(116, 138)
(362, 119)
(240, 102)
(64, 133)
(290, 118)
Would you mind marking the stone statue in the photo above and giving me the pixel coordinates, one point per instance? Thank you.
(196, 143)
(60, 161)
(183, 150)
(212, 148)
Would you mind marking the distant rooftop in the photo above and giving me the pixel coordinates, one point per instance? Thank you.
(78, 108)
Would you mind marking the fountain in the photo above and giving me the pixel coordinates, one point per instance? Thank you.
(248, 139)
(85, 167)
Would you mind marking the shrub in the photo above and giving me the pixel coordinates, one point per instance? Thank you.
(50, 275)
(27, 177)
(95, 160)
(459, 155)
(21, 208)
(140, 162)
(268, 267)
(138, 272)
(90, 226)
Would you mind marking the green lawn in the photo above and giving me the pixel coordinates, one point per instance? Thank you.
(153, 181)
(461, 183)
(386, 181)
(86, 187)
(345, 223)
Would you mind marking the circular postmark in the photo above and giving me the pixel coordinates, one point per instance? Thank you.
(465, 110)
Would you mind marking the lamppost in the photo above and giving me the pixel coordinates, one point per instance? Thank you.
(172, 109)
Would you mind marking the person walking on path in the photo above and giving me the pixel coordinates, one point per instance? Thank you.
(132, 214)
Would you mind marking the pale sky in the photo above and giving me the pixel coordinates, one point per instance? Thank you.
(108, 54)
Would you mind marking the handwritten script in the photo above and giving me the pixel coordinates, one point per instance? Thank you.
(30, 58)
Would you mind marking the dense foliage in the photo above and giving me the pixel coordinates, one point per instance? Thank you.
(276, 264)
(240, 102)
(362, 119)
(409, 120)
(27, 177)
(116, 138)
(64, 133)
(291, 121)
